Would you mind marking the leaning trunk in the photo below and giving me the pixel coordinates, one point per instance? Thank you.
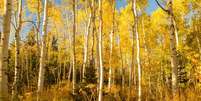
(86, 44)
(43, 50)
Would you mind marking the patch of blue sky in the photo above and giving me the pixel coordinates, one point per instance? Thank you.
(152, 5)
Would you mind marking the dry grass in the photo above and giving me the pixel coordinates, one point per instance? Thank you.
(59, 92)
(62, 92)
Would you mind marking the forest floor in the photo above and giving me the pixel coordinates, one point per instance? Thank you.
(63, 92)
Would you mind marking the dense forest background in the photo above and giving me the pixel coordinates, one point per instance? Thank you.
(100, 50)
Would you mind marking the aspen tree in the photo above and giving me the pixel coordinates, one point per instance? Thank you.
(4, 50)
(74, 54)
(43, 48)
(173, 48)
(111, 45)
(173, 45)
(86, 44)
(100, 91)
(17, 53)
(137, 46)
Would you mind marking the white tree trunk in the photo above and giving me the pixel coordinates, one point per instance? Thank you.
(4, 50)
(138, 48)
(43, 50)
(86, 44)
(17, 53)
(110, 61)
(176, 34)
(111, 46)
(100, 52)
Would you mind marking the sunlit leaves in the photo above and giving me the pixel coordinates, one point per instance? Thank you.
(34, 5)
(55, 15)
(181, 7)
(142, 4)
(107, 15)
(159, 18)
(1, 7)
(82, 16)
(125, 21)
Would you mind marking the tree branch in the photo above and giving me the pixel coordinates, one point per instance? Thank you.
(161, 6)
(32, 22)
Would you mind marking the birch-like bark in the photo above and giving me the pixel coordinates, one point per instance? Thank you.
(100, 52)
(74, 54)
(174, 60)
(138, 48)
(16, 82)
(43, 49)
(173, 45)
(173, 20)
(4, 50)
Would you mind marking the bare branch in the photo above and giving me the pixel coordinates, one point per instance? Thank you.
(161, 6)
(32, 22)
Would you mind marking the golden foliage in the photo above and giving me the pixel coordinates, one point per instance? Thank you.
(1, 7)
(55, 14)
(34, 5)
